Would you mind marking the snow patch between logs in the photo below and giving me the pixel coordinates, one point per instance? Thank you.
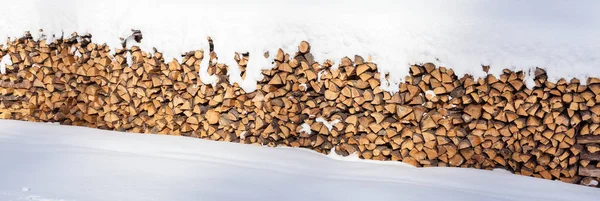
(6, 60)
(327, 124)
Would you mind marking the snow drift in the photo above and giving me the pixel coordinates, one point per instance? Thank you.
(560, 36)
(53, 162)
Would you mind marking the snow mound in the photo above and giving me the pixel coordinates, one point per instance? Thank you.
(560, 36)
(76, 163)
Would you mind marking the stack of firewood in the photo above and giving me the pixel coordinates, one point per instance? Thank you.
(436, 119)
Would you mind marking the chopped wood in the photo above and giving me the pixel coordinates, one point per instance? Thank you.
(473, 110)
(589, 171)
(304, 47)
(402, 111)
(436, 118)
(588, 139)
(212, 116)
(10, 98)
(21, 85)
(586, 155)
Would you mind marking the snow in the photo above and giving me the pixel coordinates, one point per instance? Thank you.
(560, 36)
(243, 135)
(75, 52)
(327, 124)
(305, 128)
(6, 60)
(320, 74)
(304, 87)
(128, 58)
(56, 162)
(429, 93)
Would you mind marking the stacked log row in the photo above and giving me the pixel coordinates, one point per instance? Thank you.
(436, 119)
(589, 163)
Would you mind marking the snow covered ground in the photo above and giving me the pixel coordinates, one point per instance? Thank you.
(561, 36)
(49, 162)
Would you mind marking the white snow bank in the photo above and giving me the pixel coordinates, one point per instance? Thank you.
(561, 36)
(55, 162)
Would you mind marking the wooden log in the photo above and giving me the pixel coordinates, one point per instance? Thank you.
(212, 116)
(403, 111)
(588, 139)
(304, 47)
(10, 98)
(586, 155)
(21, 85)
(473, 110)
(589, 171)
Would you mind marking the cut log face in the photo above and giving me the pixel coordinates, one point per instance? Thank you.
(403, 111)
(436, 118)
(304, 47)
(212, 117)
(473, 110)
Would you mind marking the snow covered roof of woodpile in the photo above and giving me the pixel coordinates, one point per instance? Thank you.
(560, 36)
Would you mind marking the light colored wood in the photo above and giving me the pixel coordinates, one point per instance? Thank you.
(212, 116)
(589, 171)
(304, 47)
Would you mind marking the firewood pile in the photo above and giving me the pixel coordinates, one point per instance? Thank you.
(437, 118)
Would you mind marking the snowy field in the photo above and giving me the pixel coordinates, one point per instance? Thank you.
(561, 36)
(49, 162)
